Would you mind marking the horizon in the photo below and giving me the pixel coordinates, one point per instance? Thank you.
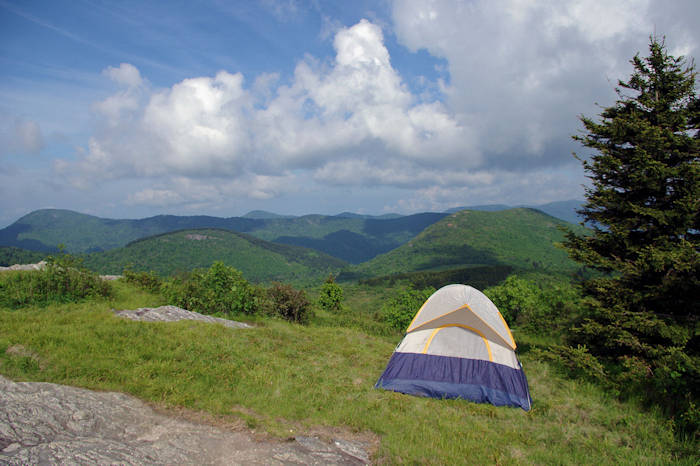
(131, 110)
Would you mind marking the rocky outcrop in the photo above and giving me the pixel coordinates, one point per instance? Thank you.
(174, 313)
(45, 423)
(37, 266)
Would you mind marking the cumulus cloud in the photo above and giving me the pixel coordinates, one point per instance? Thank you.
(499, 128)
(127, 101)
(155, 197)
(126, 74)
(322, 121)
(521, 72)
(193, 193)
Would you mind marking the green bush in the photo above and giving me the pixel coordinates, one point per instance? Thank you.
(513, 297)
(544, 306)
(218, 290)
(288, 303)
(331, 296)
(400, 309)
(146, 280)
(62, 280)
(576, 362)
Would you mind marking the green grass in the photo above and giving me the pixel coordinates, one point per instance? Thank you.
(284, 377)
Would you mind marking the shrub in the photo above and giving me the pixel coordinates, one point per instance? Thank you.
(513, 297)
(545, 306)
(63, 279)
(400, 310)
(218, 290)
(330, 297)
(145, 280)
(288, 303)
(577, 362)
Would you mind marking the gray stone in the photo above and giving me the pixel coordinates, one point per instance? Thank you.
(37, 266)
(44, 423)
(173, 314)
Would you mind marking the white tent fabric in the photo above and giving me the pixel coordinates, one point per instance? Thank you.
(458, 346)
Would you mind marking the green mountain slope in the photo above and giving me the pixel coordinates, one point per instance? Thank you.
(521, 238)
(563, 210)
(351, 238)
(44, 230)
(188, 249)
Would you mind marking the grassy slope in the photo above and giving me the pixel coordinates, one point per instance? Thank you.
(284, 377)
(523, 238)
(188, 249)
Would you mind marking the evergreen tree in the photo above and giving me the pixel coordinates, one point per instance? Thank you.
(644, 210)
(331, 297)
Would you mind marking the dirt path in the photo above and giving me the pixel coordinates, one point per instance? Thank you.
(44, 423)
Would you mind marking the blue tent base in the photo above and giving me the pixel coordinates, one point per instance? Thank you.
(449, 377)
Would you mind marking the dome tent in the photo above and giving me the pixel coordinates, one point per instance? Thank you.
(458, 346)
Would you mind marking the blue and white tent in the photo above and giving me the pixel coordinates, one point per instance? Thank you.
(458, 346)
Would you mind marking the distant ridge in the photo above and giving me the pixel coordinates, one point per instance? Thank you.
(483, 208)
(352, 239)
(365, 216)
(263, 215)
(563, 210)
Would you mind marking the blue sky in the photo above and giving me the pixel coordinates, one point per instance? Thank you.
(130, 109)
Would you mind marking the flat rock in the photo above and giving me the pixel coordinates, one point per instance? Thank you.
(173, 314)
(37, 266)
(45, 423)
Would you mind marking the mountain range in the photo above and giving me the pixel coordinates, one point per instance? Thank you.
(268, 246)
(351, 237)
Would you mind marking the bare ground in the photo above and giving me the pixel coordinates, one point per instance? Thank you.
(45, 423)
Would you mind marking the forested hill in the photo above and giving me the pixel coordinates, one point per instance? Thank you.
(521, 238)
(350, 238)
(44, 230)
(258, 260)
(563, 210)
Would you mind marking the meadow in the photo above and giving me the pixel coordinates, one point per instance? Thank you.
(288, 379)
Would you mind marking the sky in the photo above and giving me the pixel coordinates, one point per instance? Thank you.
(127, 109)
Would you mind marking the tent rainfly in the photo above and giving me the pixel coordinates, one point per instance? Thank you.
(458, 346)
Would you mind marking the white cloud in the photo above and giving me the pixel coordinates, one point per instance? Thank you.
(521, 71)
(283, 10)
(126, 75)
(192, 193)
(155, 197)
(20, 136)
(519, 75)
(324, 118)
(494, 187)
(200, 126)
